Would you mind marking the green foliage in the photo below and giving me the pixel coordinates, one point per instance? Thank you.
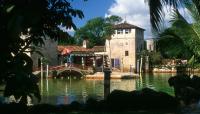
(156, 8)
(93, 30)
(182, 39)
(113, 19)
(65, 39)
(191, 61)
(155, 58)
(97, 30)
(187, 32)
(20, 81)
(32, 20)
(172, 46)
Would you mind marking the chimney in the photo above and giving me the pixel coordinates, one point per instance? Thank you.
(85, 43)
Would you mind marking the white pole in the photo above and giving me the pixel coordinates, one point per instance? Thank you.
(141, 66)
(122, 64)
(103, 62)
(94, 64)
(83, 63)
(47, 85)
(41, 80)
(41, 69)
(47, 74)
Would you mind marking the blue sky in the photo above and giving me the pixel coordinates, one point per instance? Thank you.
(134, 11)
(91, 9)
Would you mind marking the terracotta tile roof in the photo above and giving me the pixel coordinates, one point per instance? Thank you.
(98, 48)
(126, 25)
(74, 48)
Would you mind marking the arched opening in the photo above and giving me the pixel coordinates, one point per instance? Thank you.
(70, 74)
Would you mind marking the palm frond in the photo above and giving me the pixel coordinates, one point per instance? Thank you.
(193, 11)
(197, 4)
(172, 46)
(189, 33)
(156, 8)
(191, 60)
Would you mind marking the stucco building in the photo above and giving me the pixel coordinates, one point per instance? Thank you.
(81, 56)
(125, 44)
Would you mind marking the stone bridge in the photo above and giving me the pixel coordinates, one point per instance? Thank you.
(70, 70)
(63, 71)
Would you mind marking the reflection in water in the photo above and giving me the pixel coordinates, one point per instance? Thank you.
(84, 94)
(128, 85)
(64, 91)
(47, 88)
(158, 81)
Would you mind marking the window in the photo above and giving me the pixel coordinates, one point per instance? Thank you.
(120, 31)
(127, 31)
(126, 53)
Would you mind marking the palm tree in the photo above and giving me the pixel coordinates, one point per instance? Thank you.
(156, 8)
(170, 45)
(183, 38)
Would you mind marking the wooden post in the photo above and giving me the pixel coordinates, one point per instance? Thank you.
(106, 83)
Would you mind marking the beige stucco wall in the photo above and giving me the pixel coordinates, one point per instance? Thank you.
(125, 42)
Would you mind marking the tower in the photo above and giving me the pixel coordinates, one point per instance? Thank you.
(125, 44)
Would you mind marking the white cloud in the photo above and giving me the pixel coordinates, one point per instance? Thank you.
(134, 11)
(70, 31)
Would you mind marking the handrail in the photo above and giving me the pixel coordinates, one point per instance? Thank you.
(78, 66)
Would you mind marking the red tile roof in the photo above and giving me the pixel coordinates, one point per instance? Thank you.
(126, 25)
(74, 48)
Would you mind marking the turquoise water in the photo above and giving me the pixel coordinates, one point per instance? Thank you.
(64, 91)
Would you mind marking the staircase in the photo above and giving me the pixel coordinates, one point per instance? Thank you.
(106, 63)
